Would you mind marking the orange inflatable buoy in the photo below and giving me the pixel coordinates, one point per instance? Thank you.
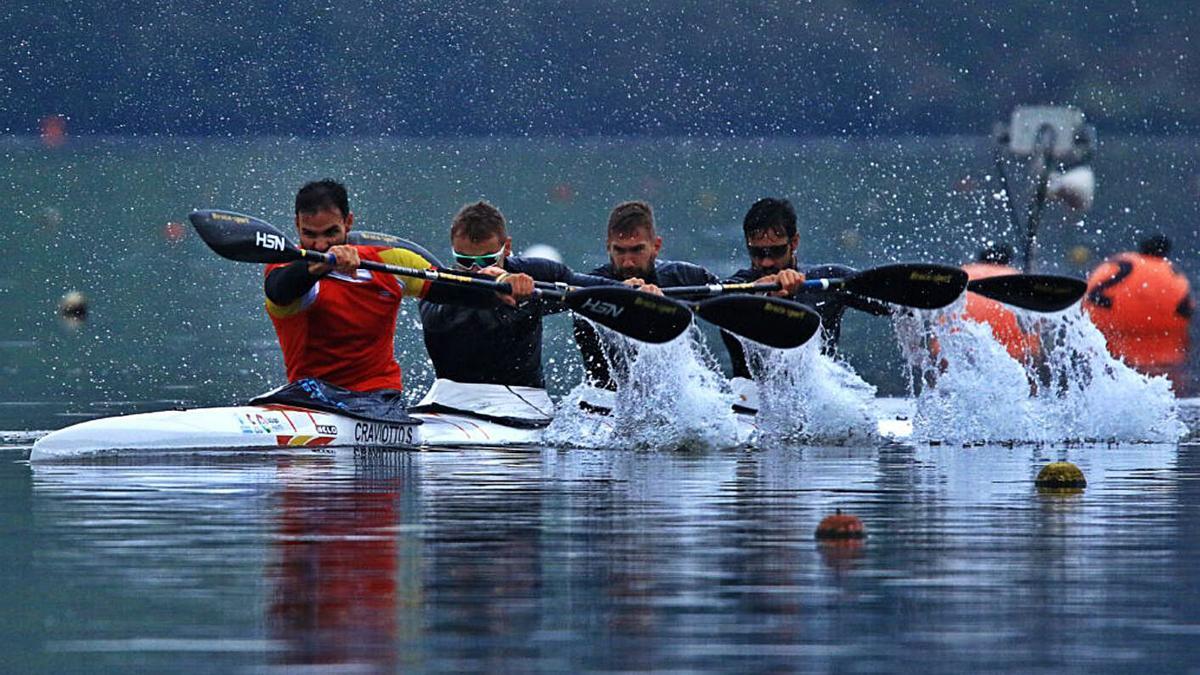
(1143, 306)
(1020, 344)
(840, 526)
(54, 130)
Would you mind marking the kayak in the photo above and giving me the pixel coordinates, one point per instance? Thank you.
(450, 415)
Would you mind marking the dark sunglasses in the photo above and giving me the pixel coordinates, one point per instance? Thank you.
(486, 260)
(772, 252)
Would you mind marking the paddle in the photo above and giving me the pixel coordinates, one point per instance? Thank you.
(919, 285)
(774, 322)
(641, 316)
(1036, 292)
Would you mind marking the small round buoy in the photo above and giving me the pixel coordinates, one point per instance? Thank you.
(174, 232)
(1060, 475)
(73, 306)
(1079, 256)
(563, 193)
(54, 131)
(840, 526)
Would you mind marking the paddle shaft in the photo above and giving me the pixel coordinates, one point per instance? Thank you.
(430, 274)
(748, 287)
(711, 289)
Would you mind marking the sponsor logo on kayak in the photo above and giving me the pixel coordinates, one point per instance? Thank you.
(379, 433)
(327, 429)
(257, 423)
(268, 240)
(602, 308)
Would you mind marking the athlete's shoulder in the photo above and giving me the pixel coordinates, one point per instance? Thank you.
(541, 269)
(680, 273)
(397, 256)
(744, 275)
(605, 271)
(384, 240)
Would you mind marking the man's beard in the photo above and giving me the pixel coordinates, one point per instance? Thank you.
(631, 274)
(790, 264)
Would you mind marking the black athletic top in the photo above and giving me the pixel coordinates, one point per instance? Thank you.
(666, 274)
(496, 343)
(830, 306)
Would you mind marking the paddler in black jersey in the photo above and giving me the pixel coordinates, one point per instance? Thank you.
(336, 323)
(633, 246)
(500, 344)
(771, 240)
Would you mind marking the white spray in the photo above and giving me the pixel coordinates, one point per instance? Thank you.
(805, 396)
(668, 396)
(972, 390)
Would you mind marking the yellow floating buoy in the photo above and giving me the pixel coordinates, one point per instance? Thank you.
(840, 526)
(1059, 475)
(1079, 256)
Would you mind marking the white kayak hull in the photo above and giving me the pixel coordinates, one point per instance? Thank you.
(274, 428)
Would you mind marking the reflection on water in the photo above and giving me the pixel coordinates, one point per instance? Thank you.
(568, 560)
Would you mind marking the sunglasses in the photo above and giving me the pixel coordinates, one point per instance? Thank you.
(485, 260)
(772, 252)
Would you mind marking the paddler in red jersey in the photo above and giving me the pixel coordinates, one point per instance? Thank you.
(336, 323)
(994, 260)
(1143, 305)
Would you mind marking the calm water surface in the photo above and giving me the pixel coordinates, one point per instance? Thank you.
(549, 559)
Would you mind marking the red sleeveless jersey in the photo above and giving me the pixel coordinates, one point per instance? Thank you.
(342, 331)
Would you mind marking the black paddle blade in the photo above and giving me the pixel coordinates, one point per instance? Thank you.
(639, 315)
(243, 238)
(920, 285)
(774, 322)
(1037, 292)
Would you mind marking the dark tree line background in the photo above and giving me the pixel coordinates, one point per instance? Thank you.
(589, 67)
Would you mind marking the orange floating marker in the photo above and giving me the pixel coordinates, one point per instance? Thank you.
(840, 526)
(54, 130)
(174, 232)
(563, 193)
(1142, 304)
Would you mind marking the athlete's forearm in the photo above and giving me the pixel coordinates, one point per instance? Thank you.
(454, 294)
(285, 285)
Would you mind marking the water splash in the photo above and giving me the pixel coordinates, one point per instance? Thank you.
(972, 390)
(805, 396)
(668, 396)
(1099, 396)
